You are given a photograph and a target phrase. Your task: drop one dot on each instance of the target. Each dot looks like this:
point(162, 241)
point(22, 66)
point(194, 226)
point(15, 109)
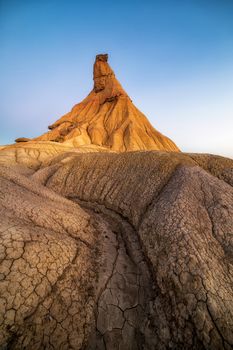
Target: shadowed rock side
point(107, 117)
point(137, 256)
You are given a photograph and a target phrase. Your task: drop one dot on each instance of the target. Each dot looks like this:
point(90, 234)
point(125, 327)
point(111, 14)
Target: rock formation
point(107, 117)
point(22, 139)
point(114, 250)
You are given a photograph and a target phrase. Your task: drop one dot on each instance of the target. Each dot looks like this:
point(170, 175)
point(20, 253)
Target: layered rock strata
point(107, 117)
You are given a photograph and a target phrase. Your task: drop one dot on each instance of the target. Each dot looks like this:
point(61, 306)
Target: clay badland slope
point(117, 251)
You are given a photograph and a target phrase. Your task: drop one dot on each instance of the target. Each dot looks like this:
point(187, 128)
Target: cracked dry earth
point(123, 309)
point(116, 251)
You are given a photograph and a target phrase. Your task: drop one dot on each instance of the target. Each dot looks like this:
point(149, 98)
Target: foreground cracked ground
point(116, 251)
point(123, 317)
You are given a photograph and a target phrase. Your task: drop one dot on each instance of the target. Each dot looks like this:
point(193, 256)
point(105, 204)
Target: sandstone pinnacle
point(108, 118)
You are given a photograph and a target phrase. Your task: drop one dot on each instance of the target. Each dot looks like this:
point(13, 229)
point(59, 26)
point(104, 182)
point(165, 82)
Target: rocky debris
point(107, 118)
point(22, 139)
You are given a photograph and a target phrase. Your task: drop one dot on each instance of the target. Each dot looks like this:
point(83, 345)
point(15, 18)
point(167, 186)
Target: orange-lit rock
point(107, 117)
point(22, 139)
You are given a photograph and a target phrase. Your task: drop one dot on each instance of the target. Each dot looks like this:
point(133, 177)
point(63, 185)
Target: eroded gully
point(124, 315)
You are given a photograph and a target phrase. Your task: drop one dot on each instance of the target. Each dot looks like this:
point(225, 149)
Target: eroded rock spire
point(108, 118)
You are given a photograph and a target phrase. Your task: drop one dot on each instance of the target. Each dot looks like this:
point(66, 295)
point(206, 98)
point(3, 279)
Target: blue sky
point(173, 57)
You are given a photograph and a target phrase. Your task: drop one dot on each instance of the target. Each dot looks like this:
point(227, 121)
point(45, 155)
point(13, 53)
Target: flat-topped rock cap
point(102, 57)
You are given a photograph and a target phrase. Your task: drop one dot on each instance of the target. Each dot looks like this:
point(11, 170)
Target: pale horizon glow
point(173, 58)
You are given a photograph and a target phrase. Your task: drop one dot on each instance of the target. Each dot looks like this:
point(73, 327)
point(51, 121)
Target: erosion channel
point(124, 315)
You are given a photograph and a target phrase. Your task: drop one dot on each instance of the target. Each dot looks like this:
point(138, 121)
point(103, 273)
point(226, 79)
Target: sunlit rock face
point(106, 249)
point(107, 117)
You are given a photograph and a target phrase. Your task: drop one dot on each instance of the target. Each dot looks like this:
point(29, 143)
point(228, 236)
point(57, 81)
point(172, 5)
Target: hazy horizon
point(173, 58)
